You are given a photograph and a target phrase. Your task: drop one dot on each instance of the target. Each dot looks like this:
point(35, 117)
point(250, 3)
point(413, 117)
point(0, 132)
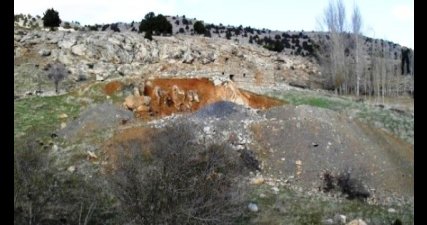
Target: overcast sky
point(392, 20)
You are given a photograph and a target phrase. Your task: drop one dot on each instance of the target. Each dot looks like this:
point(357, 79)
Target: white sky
point(391, 20)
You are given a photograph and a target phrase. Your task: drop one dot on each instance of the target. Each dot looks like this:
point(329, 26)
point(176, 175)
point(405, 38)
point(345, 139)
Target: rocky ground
point(290, 146)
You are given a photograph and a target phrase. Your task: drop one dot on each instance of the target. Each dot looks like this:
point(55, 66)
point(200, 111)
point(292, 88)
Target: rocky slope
point(106, 55)
point(290, 148)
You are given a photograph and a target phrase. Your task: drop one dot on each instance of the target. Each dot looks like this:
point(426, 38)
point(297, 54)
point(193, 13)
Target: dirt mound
point(319, 140)
point(164, 97)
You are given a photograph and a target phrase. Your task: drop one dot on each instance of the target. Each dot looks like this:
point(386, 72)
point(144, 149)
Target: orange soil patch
point(170, 96)
point(261, 102)
point(112, 87)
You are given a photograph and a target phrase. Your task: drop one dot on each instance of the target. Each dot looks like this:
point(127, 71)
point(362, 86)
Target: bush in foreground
point(179, 182)
point(46, 194)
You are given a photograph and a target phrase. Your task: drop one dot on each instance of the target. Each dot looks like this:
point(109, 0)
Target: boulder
point(79, 49)
point(132, 102)
point(253, 207)
point(67, 43)
point(44, 52)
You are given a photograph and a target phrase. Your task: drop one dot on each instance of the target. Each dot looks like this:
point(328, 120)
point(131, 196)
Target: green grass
point(308, 98)
point(41, 114)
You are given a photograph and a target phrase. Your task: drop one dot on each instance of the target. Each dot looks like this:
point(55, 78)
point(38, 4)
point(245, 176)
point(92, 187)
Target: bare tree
point(340, 16)
point(356, 24)
point(333, 56)
point(57, 73)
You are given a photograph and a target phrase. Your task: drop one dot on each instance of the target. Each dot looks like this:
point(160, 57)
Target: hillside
point(304, 154)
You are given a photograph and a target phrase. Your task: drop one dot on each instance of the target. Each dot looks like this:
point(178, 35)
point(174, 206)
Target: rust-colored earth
point(170, 96)
point(113, 87)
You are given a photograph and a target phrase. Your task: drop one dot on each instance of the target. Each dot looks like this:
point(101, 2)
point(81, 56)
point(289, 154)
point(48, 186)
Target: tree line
point(352, 64)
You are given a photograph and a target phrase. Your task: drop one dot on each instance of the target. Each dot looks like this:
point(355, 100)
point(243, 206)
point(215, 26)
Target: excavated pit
point(166, 96)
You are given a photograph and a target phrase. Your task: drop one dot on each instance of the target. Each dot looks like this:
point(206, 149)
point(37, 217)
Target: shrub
point(343, 182)
point(115, 27)
point(180, 182)
point(46, 194)
point(199, 28)
point(67, 25)
point(157, 24)
point(352, 187)
point(149, 35)
point(93, 28)
point(249, 30)
point(51, 18)
point(185, 21)
point(57, 73)
point(228, 34)
point(207, 33)
point(274, 45)
point(181, 30)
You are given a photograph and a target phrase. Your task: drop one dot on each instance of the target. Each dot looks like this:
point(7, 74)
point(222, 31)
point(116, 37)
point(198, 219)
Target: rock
point(357, 222)
point(103, 70)
point(19, 52)
point(136, 92)
point(298, 164)
point(55, 148)
point(341, 219)
point(99, 77)
point(79, 49)
point(91, 155)
point(143, 108)
point(63, 57)
point(257, 180)
point(44, 52)
point(71, 169)
point(275, 190)
point(253, 207)
point(67, 43)
point(328, 221)
point(210, 57)
point(146, 100)
point(63, 116)
point(193, 96)
point(207, 130)
point(133, 102)
point(63, 125)
point(391, 210)
point(188, 58)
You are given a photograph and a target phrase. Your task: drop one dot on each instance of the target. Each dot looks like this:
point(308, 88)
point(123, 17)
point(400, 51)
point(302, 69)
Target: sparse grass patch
point(291, 207)
point(42, 114)
point(308, 98)
point(399, 124)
